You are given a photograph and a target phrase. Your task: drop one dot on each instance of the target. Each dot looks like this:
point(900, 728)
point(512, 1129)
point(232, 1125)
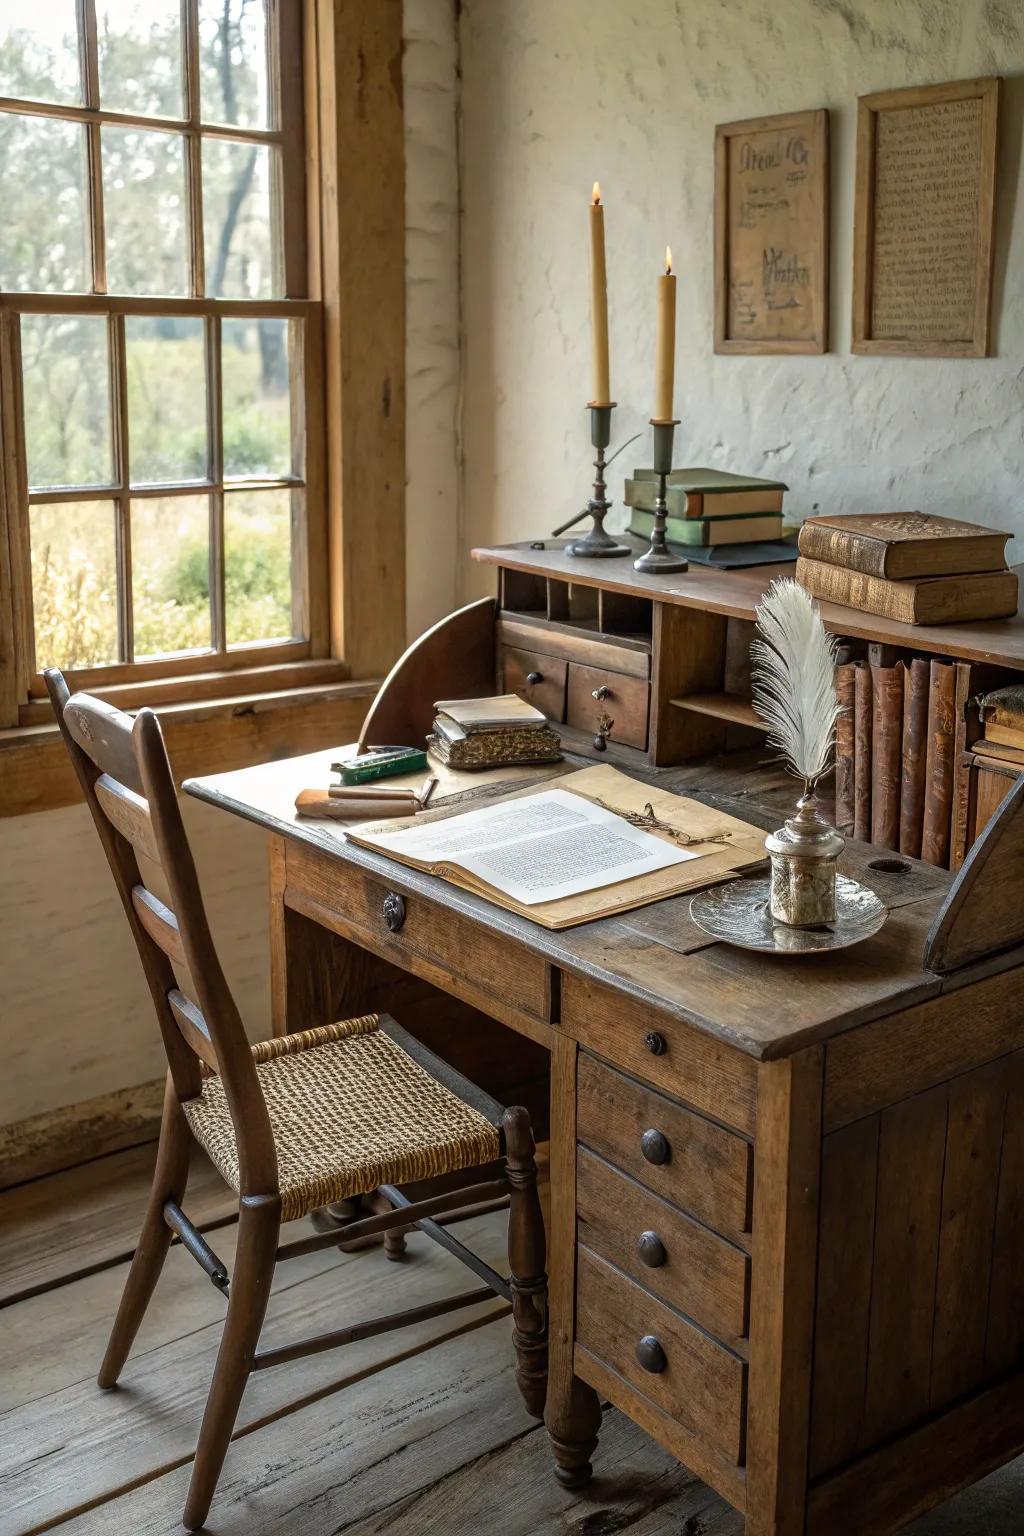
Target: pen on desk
point(426, 792)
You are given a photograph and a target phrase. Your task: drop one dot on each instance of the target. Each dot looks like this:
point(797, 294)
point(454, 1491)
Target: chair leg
point(526, 1257)
point(169, 1179)
point(259, 1224)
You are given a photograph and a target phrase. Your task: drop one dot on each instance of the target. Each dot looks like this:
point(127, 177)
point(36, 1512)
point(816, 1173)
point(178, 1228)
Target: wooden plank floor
point(416, 1433)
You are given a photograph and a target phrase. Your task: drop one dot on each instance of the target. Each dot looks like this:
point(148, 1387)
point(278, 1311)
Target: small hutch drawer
point(537, 678)
point(596, 691)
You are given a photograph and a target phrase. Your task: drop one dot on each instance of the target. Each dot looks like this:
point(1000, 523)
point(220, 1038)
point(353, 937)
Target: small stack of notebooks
point(1002, 715)
point(483, 733)
point(911, 567)
point(710, 509)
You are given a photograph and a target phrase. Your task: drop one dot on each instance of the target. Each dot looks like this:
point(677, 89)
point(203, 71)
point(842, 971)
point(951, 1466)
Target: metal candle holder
point(659, 559)
point(597, 541)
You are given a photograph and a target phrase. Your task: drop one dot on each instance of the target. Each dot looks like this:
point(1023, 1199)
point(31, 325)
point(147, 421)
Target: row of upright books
point(708, 508)
point(912, 567)
point(896, 755)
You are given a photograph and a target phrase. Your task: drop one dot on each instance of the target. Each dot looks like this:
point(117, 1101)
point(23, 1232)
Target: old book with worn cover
point(706, 493)
point(707, 532)
point(929, 600)
point(899, 545)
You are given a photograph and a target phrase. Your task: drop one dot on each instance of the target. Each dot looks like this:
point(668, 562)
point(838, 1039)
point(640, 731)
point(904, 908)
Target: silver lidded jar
point(802, 891)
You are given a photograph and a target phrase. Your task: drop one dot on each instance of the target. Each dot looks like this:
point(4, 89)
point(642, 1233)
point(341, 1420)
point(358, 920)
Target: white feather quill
point(793, 675)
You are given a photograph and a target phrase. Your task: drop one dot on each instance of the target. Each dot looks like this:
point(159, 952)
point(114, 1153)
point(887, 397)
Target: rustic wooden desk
point(787, 1194)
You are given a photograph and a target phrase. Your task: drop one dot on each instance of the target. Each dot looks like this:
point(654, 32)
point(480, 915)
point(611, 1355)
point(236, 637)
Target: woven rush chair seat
point(350, 1111)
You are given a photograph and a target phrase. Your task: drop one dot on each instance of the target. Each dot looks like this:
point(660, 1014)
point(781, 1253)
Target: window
point(156, 338)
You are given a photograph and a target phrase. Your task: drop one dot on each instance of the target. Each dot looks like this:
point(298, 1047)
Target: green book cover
point(700, 531)
point(710, 481)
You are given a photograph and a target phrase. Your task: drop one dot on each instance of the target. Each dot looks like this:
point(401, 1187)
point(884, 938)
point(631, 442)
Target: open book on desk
point(565, 852)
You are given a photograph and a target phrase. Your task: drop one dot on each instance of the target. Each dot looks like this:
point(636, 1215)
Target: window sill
point(203, 735)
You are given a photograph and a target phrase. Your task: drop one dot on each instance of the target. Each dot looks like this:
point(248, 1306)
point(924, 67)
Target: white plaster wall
point(555, 95)
point(432, 310)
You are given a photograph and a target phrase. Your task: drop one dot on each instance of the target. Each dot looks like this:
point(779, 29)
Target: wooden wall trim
point(360, 176)
point(76, 1133)
point(36, 772)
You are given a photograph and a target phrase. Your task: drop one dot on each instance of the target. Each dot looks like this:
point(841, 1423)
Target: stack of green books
point(708, 507)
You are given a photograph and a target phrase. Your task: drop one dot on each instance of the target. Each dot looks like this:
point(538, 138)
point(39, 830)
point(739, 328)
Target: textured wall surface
point(432, 310)
point(556, 95)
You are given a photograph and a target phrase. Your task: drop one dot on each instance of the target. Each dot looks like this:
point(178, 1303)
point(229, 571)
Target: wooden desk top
point(736, 594)
point(765, 1006)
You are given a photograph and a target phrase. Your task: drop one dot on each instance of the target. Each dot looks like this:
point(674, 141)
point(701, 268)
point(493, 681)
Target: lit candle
point(665, 369)
point(599, 301)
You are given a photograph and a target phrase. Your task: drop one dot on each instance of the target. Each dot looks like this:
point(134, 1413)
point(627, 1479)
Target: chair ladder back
point(118, 811)
point(213, 1012)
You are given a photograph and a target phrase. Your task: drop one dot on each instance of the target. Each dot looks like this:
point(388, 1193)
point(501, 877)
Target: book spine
point(887, 740)
point(938, 772)
point(843, 547)
point(889, 599)
point(862, 752)
point(915, 740)
point(844, 749)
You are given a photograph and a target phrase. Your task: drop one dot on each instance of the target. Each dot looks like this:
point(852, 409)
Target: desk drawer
point(688, 1375)
point(547, 692)
point(627, 702)
point(668, 1253)
point(669, 1054)
point(704, 1169)
point(430, 939)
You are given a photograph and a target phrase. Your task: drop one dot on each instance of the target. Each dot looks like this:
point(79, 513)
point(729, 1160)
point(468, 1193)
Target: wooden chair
point(293, 1123)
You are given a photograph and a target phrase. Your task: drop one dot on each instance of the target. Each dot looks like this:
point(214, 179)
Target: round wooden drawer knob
point(655, 1043)
point(534, 678)
point(650, 1250)
point(394, 910)
point(654, 1147)
point(650, 1355)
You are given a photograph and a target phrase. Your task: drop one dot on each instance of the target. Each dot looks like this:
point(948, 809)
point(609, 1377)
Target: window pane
point(171, 574)
point(140, 57)
point(166, 358)
point(67, 399)
point(43, 226)
point(257, 405)
point(236, 220)
point(39, 50)
point(233, 62)
point(74, 583)
point(257, 565)
point(144, 203)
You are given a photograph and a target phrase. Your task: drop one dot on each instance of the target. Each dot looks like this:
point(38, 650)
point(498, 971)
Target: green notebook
point(707, 532)
point(706, 493)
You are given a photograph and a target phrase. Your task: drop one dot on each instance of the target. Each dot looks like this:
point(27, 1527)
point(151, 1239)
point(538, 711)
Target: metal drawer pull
point(604, 692)
point(534, 678)
point(654, 1147)
point(650, 1354)
point(651, 1250)
point(655, 1043)
point(394, 910)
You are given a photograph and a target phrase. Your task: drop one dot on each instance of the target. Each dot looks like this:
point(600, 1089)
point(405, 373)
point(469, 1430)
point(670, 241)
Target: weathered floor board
point(89, 1217)
point(418, 1433)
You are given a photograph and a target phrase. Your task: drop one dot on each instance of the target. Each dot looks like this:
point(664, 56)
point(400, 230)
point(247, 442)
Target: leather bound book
point(899, 545)
point(930, 600)
point(938, 772)
point(886, 750)
point(844, 749)
point(862, 710)
point(915, 744)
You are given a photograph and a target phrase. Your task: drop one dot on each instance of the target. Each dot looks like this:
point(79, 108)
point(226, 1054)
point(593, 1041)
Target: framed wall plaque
point(923, 220)
point(771, 234)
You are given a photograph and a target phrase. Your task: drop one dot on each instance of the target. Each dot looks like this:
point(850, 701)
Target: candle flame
point(668, 261)
point(596, 196)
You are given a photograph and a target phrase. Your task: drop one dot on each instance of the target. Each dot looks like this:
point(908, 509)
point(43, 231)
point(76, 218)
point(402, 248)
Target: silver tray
point(738, 913)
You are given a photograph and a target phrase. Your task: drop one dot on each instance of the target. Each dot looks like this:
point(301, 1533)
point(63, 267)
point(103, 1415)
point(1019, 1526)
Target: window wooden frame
point(21, 687)
point(346, 64)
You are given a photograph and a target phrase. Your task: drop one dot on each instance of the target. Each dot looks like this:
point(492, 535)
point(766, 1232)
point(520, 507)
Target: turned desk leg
point(787, 1163)
point(573, 1413)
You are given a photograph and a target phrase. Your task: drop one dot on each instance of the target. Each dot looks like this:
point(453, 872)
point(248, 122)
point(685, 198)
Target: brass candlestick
point(597, 541)
point(659, 559)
